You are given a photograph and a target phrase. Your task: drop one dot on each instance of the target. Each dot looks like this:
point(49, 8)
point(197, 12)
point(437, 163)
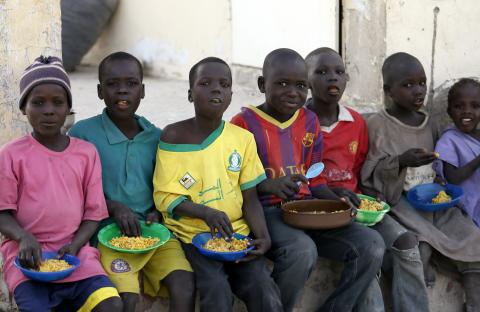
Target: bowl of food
point(51, 267)
point(220, 249)
point(370, 211)
point(434, 197)
point(316, 214)
point(153, 236)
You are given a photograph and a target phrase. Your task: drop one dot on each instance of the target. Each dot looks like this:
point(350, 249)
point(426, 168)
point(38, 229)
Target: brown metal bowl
point(316, 214)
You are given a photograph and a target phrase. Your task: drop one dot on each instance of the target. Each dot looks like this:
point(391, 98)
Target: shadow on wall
point(82, 23)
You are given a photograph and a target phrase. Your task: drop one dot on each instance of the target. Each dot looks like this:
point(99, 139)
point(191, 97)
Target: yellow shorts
point(123, 268)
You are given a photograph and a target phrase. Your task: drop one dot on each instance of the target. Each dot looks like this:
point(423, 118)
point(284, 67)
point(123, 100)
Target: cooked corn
point(370, 205)
point(54, 265)
point(138, 242)
point(222, 245)
point(442, 197)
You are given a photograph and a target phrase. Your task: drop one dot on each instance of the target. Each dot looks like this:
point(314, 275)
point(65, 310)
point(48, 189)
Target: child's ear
point(143, 90)
point(99, 92)
point(190, 98)
point(347, 76)
point(261, 84)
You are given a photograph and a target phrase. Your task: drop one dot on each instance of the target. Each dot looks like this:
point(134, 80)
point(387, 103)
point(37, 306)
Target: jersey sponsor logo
point(307, 140)
point(187, 180)
point(353, 147)
point(283, 171)
point(234, 162)
point(120, 266)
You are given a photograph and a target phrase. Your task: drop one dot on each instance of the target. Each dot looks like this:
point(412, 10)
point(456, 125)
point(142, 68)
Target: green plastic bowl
point(370, 218)
point(153, 230)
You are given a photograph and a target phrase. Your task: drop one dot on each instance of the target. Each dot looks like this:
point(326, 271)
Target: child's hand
point(262, 245)
point(29, 251)
point(153, 217)
point(284, 187)
point(218, 221)
point(416, 157)
point(346, 200)
point(342, 192)
point(71, 249)
point(126, 220)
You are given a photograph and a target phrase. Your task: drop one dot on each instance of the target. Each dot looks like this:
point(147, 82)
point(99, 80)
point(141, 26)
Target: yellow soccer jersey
point(213, 173)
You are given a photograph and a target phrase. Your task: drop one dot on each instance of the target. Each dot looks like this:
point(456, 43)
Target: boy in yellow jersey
point(205, 180)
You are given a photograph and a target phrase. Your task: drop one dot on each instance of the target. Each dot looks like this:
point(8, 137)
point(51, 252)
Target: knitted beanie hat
point(44, 70)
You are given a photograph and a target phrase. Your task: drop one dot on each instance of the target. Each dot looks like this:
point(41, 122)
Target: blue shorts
point(84, 295)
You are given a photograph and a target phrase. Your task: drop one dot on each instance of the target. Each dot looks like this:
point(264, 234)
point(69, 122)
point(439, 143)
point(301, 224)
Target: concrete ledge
point(446, 296)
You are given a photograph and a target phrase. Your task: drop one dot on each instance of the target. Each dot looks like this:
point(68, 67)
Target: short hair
point(119, 56)
point(394, 63)
point(455, 89)
point(281, 53)
point(210, 59)
point(318, 52)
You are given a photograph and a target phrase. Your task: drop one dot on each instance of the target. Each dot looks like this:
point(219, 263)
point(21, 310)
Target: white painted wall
point(169, 36)
point(410, 28)
point(259, 27)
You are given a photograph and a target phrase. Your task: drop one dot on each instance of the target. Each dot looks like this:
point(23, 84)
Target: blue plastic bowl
point(50, 276)
point(202, 238)
point(421, 196)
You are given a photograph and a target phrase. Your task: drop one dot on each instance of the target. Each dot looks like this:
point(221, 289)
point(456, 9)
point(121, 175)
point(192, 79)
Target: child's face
point(285, 88)
point(327, 77)
point(211, 90)
point(464, 109)
point(46, 108)
point(408, 87)
point(121, 88)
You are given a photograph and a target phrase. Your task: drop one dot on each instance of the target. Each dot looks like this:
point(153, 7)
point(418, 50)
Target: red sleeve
point(362, 146)
point(317, 156)
point(239, 121)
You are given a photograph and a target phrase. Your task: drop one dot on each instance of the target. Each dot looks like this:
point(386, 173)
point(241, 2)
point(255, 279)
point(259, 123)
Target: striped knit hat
point(44, 70)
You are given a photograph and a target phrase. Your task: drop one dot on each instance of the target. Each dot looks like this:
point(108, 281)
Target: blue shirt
point(127, 165)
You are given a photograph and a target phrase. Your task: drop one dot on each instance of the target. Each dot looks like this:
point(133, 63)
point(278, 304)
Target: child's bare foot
point(428, 270)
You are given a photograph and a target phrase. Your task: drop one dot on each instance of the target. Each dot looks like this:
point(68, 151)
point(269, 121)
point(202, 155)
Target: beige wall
point(169, 36)
point(28, 28)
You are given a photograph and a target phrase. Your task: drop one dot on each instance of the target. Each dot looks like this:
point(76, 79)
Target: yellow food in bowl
point(54, 265)
point(138, 242)
point(222, 245)
point(442, 197)
point(370, 205)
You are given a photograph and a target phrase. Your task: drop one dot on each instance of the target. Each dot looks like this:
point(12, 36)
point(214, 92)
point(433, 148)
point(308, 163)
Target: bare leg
point(130, 301)
point(181, 287)
point(109, 305)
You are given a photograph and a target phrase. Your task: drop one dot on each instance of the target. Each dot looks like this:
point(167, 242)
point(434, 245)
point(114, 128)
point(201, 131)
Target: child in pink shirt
point(51, 199)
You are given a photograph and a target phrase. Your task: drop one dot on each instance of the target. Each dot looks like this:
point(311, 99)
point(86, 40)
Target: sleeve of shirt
point(447, 148)
point(239, 121)
point(95, 208)
point(362, 147)
point(167, 193)
point(252, 172)
point(317, 156)
point(8, 182)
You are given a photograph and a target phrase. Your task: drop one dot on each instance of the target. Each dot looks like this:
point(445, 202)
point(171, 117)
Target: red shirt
point(345, 149)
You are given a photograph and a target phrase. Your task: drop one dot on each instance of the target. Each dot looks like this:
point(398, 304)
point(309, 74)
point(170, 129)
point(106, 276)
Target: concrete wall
point(28, 28)
point(440, 33)
point(169, 36)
